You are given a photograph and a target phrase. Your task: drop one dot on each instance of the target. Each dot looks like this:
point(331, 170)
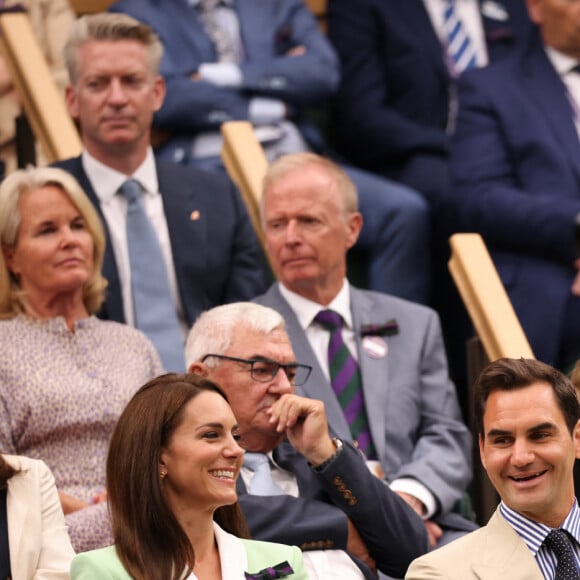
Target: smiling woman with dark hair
point(171, 476)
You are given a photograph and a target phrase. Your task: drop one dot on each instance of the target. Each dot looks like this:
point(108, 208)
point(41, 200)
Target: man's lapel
point(374, 371)
point(503, 554)
point(317, 386)
point(543, 85)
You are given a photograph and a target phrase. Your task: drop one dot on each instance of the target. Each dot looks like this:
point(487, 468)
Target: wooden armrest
point(246, 164)
point(319, 9)
point(485, 299)
point(41, 99)
point(90, 6)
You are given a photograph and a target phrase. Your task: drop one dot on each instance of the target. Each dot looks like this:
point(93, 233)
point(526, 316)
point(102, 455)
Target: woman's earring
point(163, 474)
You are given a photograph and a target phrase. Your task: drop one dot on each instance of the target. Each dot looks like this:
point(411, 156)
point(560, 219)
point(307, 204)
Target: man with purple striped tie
point(378, 361)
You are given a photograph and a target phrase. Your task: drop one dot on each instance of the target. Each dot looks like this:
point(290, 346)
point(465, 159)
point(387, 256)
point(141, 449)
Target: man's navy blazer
point(317, 519)
point(515, 158)
point(393, 102)
point(217, 257)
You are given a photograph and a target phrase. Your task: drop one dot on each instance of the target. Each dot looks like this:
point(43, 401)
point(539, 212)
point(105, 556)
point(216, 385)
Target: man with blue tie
point(378, 361)
point(179, 239)
point(515, 159)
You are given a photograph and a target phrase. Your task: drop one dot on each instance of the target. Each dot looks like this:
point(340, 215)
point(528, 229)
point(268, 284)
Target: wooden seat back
point(42, 101)
point(485, 299)
point(246, 164)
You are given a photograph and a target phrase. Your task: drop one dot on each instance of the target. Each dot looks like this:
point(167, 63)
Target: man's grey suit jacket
point(411, 403)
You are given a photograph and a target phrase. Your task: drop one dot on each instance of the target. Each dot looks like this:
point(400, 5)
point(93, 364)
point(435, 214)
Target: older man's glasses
point(264, 370)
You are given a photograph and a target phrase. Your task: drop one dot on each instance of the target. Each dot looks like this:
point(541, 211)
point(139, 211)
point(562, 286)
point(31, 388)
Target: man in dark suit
point(310, 219)
point(278, 67)
point(393, 104)
point(209, 247)
point(516, 163)
point(327, 499)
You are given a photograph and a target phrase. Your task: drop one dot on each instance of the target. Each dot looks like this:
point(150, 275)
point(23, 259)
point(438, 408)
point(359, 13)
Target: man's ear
point(354, 225)
point(71, 100)
point(198, 368)
point(481, 454)
point(576, 437)
point(159, 92)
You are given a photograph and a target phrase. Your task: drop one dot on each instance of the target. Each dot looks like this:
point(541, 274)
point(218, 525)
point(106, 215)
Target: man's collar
point(534, 533)
point(563, 63)
point(306, 309)
point(107, 181)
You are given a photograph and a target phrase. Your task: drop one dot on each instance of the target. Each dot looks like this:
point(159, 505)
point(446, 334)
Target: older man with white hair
point(321, 497)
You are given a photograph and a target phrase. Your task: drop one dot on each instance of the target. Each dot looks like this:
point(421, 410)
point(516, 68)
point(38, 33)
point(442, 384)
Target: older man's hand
point(306, 427)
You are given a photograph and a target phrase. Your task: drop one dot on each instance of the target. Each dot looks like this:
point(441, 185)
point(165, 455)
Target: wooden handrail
point(90, 6)
point(246, 164)
point(485, 299)
point(41, 99)
point(319, 9)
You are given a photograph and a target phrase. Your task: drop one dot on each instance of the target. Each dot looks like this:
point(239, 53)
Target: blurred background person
point(277, 66)
point(516, 172)
point(65, 376)
point(171, 473)
point(34, 543)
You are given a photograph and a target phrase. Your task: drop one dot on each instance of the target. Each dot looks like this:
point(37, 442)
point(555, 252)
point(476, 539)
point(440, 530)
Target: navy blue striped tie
point(460, 50)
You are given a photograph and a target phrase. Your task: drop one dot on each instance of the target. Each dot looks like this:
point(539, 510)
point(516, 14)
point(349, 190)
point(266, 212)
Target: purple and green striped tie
point(346, 382)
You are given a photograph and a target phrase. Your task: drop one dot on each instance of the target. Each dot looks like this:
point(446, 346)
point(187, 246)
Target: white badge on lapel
point(375, 346)
point(494, 11)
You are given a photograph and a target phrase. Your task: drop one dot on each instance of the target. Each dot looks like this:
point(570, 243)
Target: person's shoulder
point(24, 464)
point(504, 70)
point(71, 164)
point(269, 297)
point(449, 557)
point(186, 176)
point(103, 562)
point(267, 554)
point(388, 302)
point(7, 324)
point(112, 326)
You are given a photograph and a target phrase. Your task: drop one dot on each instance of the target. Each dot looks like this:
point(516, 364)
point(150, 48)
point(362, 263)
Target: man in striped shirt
point(527, 414)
